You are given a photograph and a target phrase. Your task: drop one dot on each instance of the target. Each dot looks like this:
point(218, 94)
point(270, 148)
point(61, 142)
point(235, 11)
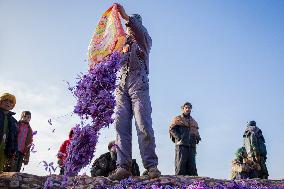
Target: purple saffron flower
point(95, 100)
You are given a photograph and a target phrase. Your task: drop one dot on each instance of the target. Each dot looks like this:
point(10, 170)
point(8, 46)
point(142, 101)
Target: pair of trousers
point(185, 160)
point(133, 100)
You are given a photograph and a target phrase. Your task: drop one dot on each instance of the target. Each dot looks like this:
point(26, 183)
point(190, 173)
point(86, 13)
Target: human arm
point(28, 144)
point(63, 150)
point(122, 12)
point(174, 132)
point(137, 30)
point(194, 129)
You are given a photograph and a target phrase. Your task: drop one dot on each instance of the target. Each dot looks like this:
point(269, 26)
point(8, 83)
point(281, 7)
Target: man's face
point(113, 149)
point(6, 105)
point(186, 110)
point(26, 118)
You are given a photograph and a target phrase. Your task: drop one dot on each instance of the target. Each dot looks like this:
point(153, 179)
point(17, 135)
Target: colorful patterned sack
point(108, 37)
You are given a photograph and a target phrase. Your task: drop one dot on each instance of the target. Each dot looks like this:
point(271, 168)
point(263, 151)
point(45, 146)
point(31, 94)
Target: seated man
point(106, 163)
point(242, 167)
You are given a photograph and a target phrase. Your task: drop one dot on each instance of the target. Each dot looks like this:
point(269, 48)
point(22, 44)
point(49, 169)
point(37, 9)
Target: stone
point(23, 180)
point(14, 184)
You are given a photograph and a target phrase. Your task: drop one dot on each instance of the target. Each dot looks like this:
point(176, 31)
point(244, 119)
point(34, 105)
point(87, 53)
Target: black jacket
point(11, 143)
point(181, 135)
point(105, 165)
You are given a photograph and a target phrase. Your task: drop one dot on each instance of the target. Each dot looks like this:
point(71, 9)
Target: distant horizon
point(225, 57)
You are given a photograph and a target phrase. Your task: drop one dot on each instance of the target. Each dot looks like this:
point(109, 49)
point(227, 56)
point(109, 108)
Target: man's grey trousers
point(132, 99)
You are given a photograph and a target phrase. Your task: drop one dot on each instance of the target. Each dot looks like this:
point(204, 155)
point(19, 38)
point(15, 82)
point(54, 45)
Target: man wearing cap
point(184, 133)
point(8, 130)
point(254, 143)
point(133, 99)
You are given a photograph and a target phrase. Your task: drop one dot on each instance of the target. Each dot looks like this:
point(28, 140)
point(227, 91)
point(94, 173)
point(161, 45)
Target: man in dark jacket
point(8, 129)
point(184, 133)
point(254, 143)
point(106, 163)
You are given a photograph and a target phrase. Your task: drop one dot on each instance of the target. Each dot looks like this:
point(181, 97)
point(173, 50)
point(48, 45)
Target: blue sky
point(225, 57)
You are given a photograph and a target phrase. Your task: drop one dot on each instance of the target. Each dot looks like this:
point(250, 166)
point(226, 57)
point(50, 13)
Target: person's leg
point(2, 157)
point(61, 172)
point(181, 160)
point(10, 165)
point(264, 171)
point(19, 161)
point(192, 162)
point(123, 126)
point(142, 112)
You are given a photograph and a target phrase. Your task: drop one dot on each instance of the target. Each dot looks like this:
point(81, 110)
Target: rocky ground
point(23, 180)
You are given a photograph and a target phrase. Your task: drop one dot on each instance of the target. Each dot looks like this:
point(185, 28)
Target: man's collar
point(185, 116)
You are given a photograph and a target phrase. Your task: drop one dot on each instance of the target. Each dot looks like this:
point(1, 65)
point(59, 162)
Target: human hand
point(60, 163)
point(125, 48)
point(198, 140)
point(25, 161)
point(245, 168)
point(179, 142)
point(122, 12)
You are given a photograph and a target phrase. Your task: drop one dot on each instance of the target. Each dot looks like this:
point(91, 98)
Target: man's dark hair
point(187, 104)
point(252, 123)
point(110, 145)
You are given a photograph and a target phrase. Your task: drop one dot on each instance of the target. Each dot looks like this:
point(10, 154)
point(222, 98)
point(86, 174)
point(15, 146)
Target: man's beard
point(186, 115)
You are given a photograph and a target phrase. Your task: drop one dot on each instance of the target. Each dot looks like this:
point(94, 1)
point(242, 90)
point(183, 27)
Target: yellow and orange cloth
point(108, 37)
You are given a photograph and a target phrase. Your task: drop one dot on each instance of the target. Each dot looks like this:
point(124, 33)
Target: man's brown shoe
point(152, 172)
point(119, 174)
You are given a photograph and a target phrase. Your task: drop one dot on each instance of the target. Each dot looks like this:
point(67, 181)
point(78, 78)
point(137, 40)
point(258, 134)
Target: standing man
point(184, 133)
point(255, 146)
point(132, 99)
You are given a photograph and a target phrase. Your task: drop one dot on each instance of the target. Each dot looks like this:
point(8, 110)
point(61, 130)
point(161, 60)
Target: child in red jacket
point(63, 152)
point(25, 139)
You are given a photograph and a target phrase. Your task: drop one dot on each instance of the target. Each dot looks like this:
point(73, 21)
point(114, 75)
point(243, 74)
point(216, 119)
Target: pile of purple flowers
point(95, 100)
point(190, 183)
point(198, 184)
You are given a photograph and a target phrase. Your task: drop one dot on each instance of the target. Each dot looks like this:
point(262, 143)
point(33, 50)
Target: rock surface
point(23, 180)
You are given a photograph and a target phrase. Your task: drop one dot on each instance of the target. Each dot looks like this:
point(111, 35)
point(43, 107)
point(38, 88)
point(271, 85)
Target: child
point(63, 152)
point(8, 130)
point(25, 139)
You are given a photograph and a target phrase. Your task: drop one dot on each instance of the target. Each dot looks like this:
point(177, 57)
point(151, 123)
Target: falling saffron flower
point(49, 121)
point(32, 149)
point(95, 100)
point(49, 167)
